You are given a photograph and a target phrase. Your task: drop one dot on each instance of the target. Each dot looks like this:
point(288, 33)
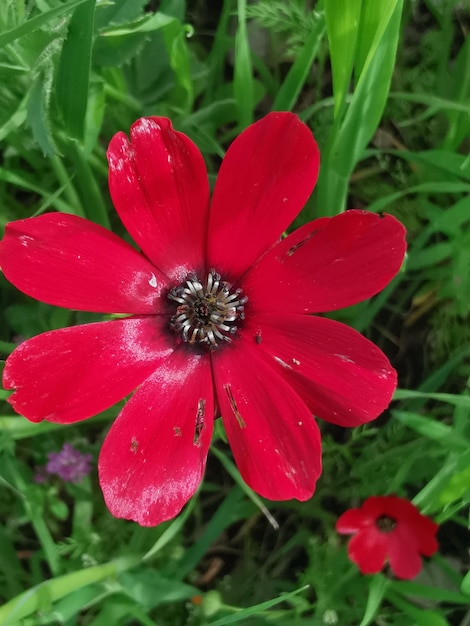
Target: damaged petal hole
point(134, 445)
point(298, 245)
point(233, 405)
point(200, 422)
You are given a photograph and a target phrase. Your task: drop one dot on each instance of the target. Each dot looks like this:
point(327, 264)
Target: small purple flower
point(70, 464)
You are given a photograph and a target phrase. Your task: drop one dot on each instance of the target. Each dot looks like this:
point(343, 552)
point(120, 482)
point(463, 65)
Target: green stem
point(66, 182)
point(95, 208)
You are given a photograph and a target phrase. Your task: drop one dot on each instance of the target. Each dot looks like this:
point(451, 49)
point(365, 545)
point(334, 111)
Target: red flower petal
point(404, 558)
point(351, 522)
point(154, 456)
point(265, 179)
point(328, 264)
point(341, 376)
point(273, 436)
point(368, 549)
point(158, 183)
point(425, 532)
point(70, 262)
point(390, 506)
point(70, 374)
point(421, 528)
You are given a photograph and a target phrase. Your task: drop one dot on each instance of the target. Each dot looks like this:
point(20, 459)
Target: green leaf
point(448, 162)
point(352, 131)
point(45, 594)
point(374, 18)
point(465, 588)
point(430, 257)
point(149, 589)
point(377, 587)
point(36, 22)
point(431, 187)
point(363, 114)
point(450, 398)
point(243, 89)
point(254, 497)
point(230, 510)
point(457, 489)
point(173, 529)
point(38, 112)
point(295, 80)
point(342, 26)
point(118, 12)
point(73, 74)
point(420, 617)
point(431, 429)
point(147, 24)
point(437, 594)
point(176, 44)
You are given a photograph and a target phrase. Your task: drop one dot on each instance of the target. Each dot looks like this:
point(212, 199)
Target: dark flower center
point(207, 311)
point(386, 524)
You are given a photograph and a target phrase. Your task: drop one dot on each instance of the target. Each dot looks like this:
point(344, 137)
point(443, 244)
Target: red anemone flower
point(388, 528)
point(219, 316)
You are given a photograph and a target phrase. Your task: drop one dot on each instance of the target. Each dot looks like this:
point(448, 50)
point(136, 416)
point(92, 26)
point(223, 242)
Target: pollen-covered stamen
point(207, 312)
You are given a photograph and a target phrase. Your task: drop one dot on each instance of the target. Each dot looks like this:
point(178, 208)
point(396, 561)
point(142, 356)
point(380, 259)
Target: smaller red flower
point(388, 528)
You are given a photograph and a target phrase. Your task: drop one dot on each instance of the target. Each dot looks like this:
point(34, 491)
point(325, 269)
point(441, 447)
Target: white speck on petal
point(344, 358)
point(25, 239)
point(153, 281)
point(117, 163)
point(283, 363)
point(147, 126)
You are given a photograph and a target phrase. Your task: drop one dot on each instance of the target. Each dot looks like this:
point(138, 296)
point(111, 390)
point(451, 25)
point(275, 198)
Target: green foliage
point(385, 88)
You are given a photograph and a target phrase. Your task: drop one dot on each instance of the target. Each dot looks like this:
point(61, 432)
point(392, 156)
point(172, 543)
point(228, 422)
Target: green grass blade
point(173, 529)
point(229, 511)
point(430, 429)
point(450, 398)
point(243, 88)
point(367, 105)
point(351, 135)
point(257, 608)
point(377, 587)
point(38, 112)
point(73, 74)
point(342, 26)
point(254, 497)
point(374, 18)
point(298, 73)
point(431, 187)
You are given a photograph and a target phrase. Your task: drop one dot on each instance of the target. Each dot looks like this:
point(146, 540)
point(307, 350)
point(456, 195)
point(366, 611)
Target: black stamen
point(206, 312)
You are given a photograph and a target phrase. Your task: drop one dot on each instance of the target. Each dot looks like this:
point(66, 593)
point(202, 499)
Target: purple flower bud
point(70, 464)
